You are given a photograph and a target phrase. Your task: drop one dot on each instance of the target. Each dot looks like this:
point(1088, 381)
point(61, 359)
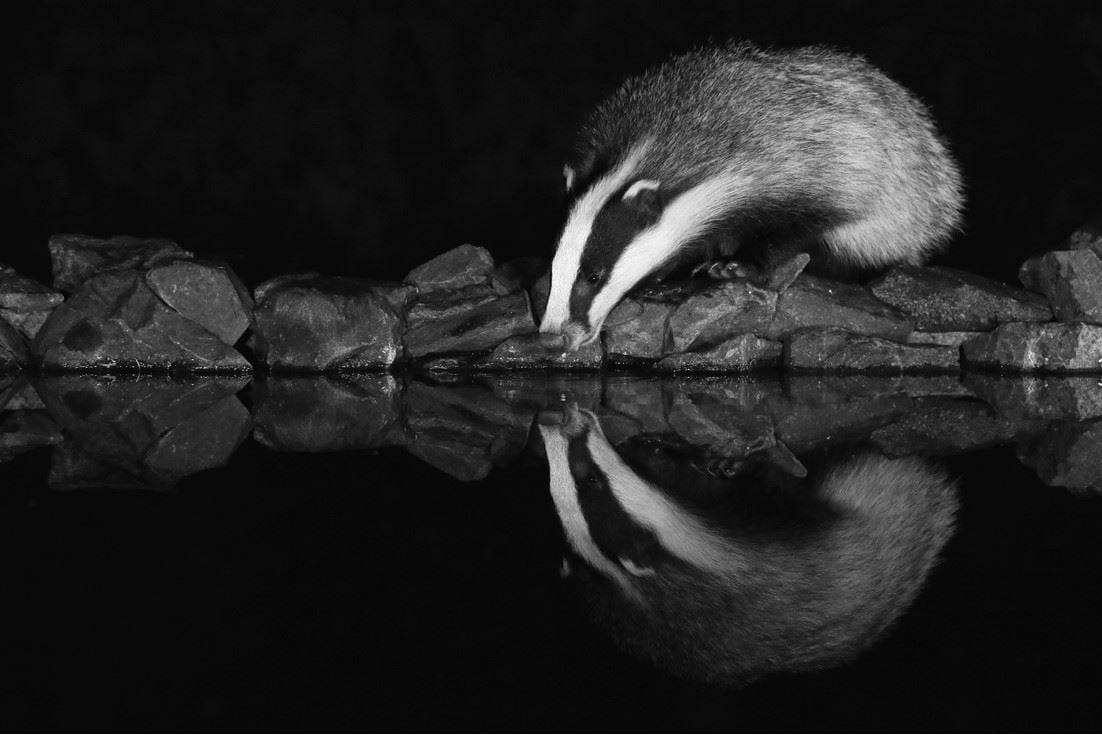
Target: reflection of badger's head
point(713, 596)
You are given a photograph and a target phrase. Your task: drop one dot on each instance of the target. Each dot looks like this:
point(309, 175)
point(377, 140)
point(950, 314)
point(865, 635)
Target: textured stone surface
point(815, 412)
point(24, 302)
point(478, 324)
point(115, 321)
point(1020, 346)
point(315, 323)
point(948, 300)
point(458, 268)
point(209, 294)
point(1071, 280)
point(524, 352)
point(815, 302)
point(142, 432)
point(22, 431)
point(943, 426)
point(718, 312)
point(1089, 236)
point(327, 413)
point(945, 339)
point(709, 419)
point(638, 328)
point(836, 350)
point(13, 348)
point(1068, 454)
point(1063, 397)
point(738, 354)
point(76, 258)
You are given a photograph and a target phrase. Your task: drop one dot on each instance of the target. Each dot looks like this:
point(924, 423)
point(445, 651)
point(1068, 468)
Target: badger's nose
point(552, 341)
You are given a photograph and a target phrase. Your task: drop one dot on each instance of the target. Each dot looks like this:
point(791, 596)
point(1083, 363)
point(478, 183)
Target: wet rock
point(22, 431)
point(115, 321)
point(316, 323)
point(1021, 347)
point(76, 258)
point(643, 399)
point(464, 430)
point(718, 312)
point(327, 413)
point(524, 352)
point(455, 270)
point(818, 389)
point(1068, 454)
point(948, 300)
point(736, 355)
point(209, 294)
point(1068, 398)
point(536, 392)
point(709, 419)
point(142, 432)
point(942, 426)
point(13, 348)
point(836, 350)
point(816, 302)
point(817, 412)
point(24, 302)
point(1071, 280)
point(945, 339)
point(638, 328)
point(466, 326)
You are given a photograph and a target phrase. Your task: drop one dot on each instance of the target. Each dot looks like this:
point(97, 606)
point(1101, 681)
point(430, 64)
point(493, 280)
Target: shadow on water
point(740, 533)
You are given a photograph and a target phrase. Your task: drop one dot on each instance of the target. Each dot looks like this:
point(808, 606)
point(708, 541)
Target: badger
point(759, 153)
point(758, 580)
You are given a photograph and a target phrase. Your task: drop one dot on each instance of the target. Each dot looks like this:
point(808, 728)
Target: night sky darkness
point(364, 138)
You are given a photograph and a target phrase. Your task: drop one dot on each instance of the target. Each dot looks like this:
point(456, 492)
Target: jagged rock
point(209, 294)
point(942, 426)
point(22, 431)
point(464, 430)
point(945, 339)
point(24, 302)
point(524, 352)
point(816, 302)
point(470, 325)
point(1020, 346)
point(837, 350)
point(115, 321)
point(458, 268)
point(144, 433)
point(738, 354)
point(638, 328)
point(1068, 454)
point(1071, 280)
point(718, 312)
point(1089, 236)
point(948, 300)
point(315, 323)
point(1068, 398)
point(785, 274)
point(76, 258)
point(13, 348)
point(327, 414)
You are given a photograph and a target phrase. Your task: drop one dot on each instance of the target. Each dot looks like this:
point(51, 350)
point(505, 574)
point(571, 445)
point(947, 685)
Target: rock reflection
point(729, 581)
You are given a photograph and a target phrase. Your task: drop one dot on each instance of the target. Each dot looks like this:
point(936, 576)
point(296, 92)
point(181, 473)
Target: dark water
point(551, 553)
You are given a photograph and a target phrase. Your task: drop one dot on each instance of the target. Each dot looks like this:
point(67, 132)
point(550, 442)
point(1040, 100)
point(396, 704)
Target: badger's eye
point(594, 278)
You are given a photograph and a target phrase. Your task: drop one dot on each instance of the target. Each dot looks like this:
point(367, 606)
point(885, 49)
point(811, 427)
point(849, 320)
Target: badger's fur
point(739, 148)
point(760, 579)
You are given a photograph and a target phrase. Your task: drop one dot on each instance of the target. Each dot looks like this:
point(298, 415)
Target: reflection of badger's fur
point(740, 148)
point(807, 584)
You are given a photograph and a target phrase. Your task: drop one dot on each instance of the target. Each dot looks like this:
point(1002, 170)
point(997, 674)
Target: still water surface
point(526, 552)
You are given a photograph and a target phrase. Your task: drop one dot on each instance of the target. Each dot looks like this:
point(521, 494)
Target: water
point(531, 552)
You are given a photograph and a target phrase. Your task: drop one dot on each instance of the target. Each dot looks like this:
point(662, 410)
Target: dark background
point(364, 138)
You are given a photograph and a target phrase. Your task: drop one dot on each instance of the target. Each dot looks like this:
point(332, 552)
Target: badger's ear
point(645, 195)
point(568, 177)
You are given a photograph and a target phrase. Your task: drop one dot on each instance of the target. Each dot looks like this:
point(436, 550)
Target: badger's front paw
point(727, 270)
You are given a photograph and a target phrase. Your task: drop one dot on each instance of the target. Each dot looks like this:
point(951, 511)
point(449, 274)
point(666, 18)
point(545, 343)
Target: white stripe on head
point(685, 218)
point(568, 256)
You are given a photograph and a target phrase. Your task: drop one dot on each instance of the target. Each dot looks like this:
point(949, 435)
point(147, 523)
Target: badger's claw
point(724, 270)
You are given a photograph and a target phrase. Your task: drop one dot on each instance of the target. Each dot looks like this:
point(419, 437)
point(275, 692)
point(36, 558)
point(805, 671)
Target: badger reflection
point(770, 575)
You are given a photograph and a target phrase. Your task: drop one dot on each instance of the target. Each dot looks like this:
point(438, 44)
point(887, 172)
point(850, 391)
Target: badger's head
point(598, 259)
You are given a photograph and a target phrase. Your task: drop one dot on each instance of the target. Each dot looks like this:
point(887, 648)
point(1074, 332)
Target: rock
point(24, 302)
point(76, 258)
point(1071, 280)
point(458, 268)
point(144, 433)
point(326, 413)
point(644, 400)
point(1066, 398)
point(638, 328)
point(736, 355)
point(477, 324)
point(208, 294)
point(115, 321)
point(23, 431)
point(1087, 237)
point(524, 352)
point(13, 348)
point(816, 302)
point(945, 339)
point(809, 416)
point(1068, 454)
point(17, 393)
point(948, 300)
point(538, 292)
point(718, 312)
point(519, 274)
point(836, 350)
point(710, 420)
point(942, 426)
point(534, 392)
point(315, 323)
point(785, 274)
point(1020, 346)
